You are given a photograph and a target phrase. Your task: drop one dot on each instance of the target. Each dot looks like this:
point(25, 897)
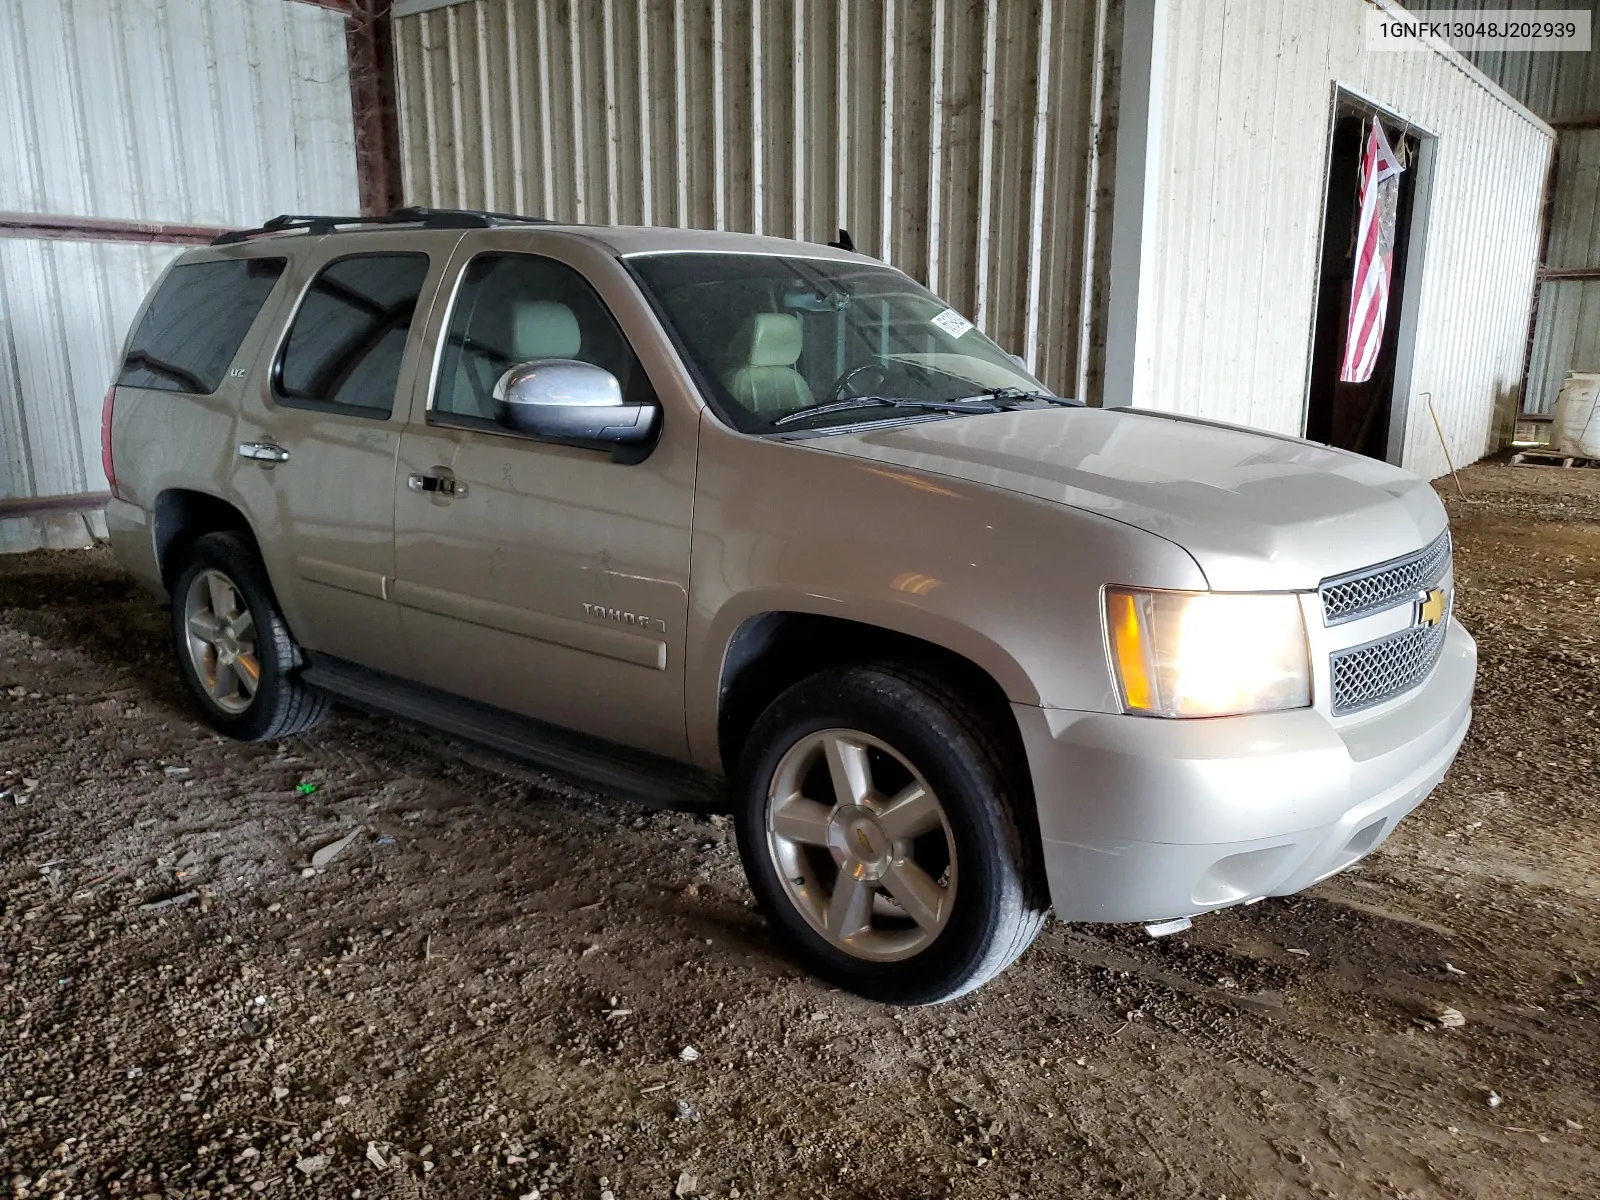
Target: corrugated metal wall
point(919, 125)
point(1250, 86)
point(1561, 87)
point(188, 111)
point(1566, 335)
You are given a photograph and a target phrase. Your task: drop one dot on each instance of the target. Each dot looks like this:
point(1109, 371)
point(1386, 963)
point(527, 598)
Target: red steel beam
point(51, 227)
point(370, 53)
point(30, 506)
point(372, 105)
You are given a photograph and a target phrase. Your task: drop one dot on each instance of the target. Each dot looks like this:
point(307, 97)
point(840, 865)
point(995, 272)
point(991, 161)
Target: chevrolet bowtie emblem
point(1431, 606)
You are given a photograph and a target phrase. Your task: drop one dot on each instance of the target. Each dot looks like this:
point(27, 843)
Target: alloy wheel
point(222, 641)
point(861, 845)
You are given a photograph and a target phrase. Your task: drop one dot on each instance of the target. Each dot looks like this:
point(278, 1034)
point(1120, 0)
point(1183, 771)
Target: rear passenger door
point(319, 430)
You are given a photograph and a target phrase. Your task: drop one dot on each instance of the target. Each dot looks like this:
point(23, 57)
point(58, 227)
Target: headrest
point(768, 340)
point(543, 329)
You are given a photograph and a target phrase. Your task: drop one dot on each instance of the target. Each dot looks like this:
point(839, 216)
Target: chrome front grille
point(1383, 669)
point(1386, 585)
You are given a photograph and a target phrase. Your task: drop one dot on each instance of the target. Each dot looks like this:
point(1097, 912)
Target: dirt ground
point(492, 990)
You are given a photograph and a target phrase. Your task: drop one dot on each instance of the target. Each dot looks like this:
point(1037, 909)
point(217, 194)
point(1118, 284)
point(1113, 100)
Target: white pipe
point(841, 89)
point(1091, 203)
point(480, 20)
point(547, 167)
point(1041, 131)
point(646, 183)
point(798, 71)
point(680, 124)
point(985, 167)
point(457, 121)
point(580, 131)
point(935, 145)
point(519, 198)
point(608, 69)
point(718, 164)
point(886, 156)
point(402, 93)
point(758, 189)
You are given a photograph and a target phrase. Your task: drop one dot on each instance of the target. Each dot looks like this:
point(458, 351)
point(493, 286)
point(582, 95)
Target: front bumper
point(1143, 818)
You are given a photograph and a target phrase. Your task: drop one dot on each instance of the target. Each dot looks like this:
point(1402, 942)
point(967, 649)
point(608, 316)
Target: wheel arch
point(181, 516)
point(771, 651)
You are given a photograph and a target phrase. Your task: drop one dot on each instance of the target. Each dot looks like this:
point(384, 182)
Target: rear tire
point(919, 886)
point(233, 646)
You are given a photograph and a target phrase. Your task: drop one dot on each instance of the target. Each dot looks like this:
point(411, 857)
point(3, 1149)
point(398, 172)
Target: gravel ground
point(505, 986)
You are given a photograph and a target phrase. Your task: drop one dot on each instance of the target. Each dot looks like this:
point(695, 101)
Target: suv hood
point(1256, 510)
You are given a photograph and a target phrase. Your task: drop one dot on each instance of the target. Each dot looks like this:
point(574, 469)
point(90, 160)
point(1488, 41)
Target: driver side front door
point(547, 579)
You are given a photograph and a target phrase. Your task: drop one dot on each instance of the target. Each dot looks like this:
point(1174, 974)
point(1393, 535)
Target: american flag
point(1369, 292)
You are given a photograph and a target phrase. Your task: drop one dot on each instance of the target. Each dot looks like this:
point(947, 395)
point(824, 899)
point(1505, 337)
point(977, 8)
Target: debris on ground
point(177, 901)
point(484, 1027)
point(333, 849)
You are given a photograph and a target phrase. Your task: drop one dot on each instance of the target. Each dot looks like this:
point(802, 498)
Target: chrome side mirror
point(564, 398)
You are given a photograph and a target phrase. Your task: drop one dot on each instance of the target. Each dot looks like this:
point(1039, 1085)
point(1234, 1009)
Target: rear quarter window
point(195, 324)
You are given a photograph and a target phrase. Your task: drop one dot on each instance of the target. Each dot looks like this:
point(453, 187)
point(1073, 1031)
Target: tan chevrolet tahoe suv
point(707, 518)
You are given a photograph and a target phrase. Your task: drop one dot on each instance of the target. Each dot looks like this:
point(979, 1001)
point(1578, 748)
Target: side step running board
point(629, 774)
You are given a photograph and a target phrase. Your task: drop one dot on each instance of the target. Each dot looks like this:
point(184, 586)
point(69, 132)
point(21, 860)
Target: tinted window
point(348, 337)
point(513, 308)
point(195, 323)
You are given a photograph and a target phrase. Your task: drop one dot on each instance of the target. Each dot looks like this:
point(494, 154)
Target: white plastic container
point(1577, 424)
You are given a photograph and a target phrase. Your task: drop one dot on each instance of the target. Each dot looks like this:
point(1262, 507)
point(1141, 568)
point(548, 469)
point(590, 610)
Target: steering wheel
point(842, 384)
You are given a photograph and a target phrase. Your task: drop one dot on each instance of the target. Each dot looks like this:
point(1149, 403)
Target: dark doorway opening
point(1358, 416)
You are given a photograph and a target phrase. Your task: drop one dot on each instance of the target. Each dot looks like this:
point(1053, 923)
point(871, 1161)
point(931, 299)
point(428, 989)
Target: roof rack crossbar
point(428, 218)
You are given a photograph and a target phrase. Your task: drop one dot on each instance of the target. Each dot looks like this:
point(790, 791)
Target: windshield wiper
point(978, 404)
point(1006, 397)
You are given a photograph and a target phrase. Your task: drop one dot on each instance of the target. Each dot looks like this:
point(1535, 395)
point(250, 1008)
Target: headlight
point(1207, 654)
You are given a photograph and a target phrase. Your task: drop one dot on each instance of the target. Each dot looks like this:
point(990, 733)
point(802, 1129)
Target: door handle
point(437, 484)
point(265, 452)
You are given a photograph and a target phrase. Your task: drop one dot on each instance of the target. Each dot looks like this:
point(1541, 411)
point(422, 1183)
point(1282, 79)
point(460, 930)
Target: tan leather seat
point(761, 374)
point(544, 329)
point(539, 329)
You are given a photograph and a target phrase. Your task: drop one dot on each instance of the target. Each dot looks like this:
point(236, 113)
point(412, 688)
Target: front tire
point(233, 646)
point(876, 816)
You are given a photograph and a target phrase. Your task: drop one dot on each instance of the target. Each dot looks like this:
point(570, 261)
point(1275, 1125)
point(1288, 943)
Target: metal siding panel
point(1566, 338)
point(64, 309)
point(1575, 219)
point(1248, 104)
point(1558, 86)
point(742, 114)
point(189, 111)
point(183, 111)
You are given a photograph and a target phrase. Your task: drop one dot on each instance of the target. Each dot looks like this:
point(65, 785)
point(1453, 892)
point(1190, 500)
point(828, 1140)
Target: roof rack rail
point(428, 218)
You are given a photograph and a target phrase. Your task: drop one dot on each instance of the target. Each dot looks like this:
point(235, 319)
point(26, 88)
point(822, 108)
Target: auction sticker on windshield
point(952, 322)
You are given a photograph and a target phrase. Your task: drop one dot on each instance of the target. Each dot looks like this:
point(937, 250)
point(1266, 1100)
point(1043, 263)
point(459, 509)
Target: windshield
point(775, 338)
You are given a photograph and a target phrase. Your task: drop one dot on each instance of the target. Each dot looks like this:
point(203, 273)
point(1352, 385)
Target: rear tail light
point(105, 437)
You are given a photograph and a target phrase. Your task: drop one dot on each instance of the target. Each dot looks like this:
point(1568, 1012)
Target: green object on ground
point(305, 789)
